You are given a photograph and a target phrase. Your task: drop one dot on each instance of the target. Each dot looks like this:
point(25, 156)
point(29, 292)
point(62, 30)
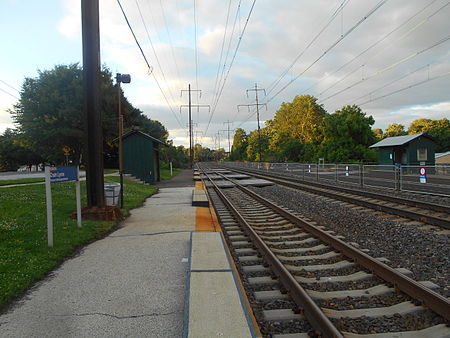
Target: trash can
point(112, 193)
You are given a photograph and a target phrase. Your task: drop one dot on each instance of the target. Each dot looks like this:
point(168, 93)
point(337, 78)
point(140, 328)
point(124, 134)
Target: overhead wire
point(275, 83)
point(405, 88)
point(387, 68)
point(150, 69)
point(4, 91)
point(231, 65)
point(8, 85)
point(377, 43)
point(342, 37)
point(154, 50)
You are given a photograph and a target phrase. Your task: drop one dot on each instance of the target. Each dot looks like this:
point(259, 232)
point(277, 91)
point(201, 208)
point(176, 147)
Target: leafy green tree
point(302, 119)
point(49, 114)
point(13, 153)
point(394, 129)
point(254, 145)
point(439, 130)
point(239, 147)
point(378, 133)
point(348, 135)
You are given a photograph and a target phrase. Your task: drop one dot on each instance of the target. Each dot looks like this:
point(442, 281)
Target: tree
point(378, 133)
point(439, 130)
point(348, 135)
point(13, 153)
point(50, 108)
point(239, 147)
point(254, 144)
point(394, 129)
point(302, 119)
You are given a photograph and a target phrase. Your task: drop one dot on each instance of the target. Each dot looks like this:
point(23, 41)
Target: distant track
point(426, 212)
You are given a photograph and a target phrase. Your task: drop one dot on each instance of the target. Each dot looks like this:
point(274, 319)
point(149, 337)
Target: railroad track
point(304, 279)
point(429, 213)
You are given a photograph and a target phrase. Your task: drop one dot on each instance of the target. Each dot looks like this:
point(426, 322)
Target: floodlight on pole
point(121, 78)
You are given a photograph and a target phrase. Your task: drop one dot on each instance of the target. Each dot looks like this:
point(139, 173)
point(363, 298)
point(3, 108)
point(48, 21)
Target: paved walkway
point(129, 284)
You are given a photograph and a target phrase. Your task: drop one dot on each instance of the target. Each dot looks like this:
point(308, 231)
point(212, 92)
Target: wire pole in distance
point(257, 104)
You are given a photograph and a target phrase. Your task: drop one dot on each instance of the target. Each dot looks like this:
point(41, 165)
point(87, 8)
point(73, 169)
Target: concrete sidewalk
point(129, 284)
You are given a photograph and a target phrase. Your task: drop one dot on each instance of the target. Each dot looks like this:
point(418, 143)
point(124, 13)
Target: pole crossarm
point(196, 106)
point(252, 105)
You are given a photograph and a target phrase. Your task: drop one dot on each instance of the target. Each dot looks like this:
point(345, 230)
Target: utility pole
point(190, 105)
point(257, 104)
point(229, 143)
point(91, 106)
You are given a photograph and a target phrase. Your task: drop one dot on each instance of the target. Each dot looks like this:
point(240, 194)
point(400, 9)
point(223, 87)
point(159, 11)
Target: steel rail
point(312, 312)
point(428, 297)
point(430, 219)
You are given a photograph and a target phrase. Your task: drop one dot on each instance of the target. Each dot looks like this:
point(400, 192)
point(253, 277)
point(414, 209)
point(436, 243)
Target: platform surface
point(139, 280)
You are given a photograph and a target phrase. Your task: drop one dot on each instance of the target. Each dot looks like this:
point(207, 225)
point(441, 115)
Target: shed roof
point(438, 155)
point(134, 132)
point(398, 140)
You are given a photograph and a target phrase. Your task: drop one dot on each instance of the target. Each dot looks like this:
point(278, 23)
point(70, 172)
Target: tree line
point(302, 131)
point(49, 118)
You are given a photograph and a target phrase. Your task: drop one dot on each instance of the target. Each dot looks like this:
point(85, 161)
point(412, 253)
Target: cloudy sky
point(392, 57)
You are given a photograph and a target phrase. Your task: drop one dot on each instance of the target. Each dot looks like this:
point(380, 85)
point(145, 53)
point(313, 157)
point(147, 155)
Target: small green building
point(141, 156)
point(415, 149)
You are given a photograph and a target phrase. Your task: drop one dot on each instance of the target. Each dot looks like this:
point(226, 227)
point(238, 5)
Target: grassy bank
point(24, 255)
point(165, 171)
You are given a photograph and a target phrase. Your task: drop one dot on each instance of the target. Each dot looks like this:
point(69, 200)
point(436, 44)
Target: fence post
point(303, 170)
point(317, 172)
point(336, 172)
point(361, 175)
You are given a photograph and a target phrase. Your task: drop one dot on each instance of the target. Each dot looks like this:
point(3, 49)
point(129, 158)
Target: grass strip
point(24, 254)
point(22, 181)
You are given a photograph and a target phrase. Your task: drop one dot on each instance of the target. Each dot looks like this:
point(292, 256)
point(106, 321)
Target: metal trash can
point(112, 193)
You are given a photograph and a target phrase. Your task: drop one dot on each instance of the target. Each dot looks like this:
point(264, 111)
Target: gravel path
point(422, 251)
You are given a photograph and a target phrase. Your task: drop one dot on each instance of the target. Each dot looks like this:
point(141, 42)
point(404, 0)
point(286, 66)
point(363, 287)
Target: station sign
point(63, 174)
point(423, 175)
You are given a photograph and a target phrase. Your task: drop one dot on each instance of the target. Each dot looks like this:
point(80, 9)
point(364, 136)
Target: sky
point(391, 57)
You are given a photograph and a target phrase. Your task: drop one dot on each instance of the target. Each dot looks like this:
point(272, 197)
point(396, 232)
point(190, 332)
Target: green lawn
point(22, 181)
point(165, 171)
point(24, 255)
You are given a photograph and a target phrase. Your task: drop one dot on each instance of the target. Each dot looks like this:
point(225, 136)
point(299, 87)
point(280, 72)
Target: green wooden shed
point(141, 156)
point(415, 149)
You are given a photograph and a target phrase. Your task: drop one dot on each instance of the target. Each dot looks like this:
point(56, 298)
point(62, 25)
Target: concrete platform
point(216, 307)
point(199, 198)
point(156, 276)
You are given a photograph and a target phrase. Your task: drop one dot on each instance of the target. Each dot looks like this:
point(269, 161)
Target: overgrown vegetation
point(24, 255)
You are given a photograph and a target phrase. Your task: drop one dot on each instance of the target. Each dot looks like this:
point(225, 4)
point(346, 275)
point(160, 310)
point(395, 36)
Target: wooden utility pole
point(91, 108)
point(190, 105)
point(257, 104)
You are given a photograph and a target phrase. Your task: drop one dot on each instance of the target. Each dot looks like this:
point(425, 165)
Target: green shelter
point(141, 156)
point(415, 149)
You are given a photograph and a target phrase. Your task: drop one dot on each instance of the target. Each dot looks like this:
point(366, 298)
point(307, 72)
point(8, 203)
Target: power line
point(6, 84)
point(376, 43)
point(231, 64)
point(223, 44)
point(405, 88)
point(170, 39)
point(275, 83)
point(389, 67)
point(343, 36)
point(153, 48)
point(150, 69)
point(9, 93)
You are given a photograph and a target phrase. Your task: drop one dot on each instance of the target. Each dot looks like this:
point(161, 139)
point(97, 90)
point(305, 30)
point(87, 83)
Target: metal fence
point(424, 179)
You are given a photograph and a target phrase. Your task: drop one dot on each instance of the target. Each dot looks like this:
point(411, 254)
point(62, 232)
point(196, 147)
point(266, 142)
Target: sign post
point(423, 175)
point(56, 175)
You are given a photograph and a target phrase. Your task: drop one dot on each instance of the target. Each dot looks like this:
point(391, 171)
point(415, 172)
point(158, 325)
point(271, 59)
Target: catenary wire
point(275, 83)
point(148, 65)
point(343, 36)
point(377, 43)
point(389, 67)
point(231, 64)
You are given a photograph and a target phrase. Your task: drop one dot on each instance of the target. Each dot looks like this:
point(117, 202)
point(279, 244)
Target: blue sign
point(63, 174)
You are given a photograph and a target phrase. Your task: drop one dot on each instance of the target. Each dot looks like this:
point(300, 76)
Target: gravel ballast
point(422, 251)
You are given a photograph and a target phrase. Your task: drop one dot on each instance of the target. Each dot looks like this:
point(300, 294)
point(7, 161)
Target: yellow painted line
point(205, 218)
